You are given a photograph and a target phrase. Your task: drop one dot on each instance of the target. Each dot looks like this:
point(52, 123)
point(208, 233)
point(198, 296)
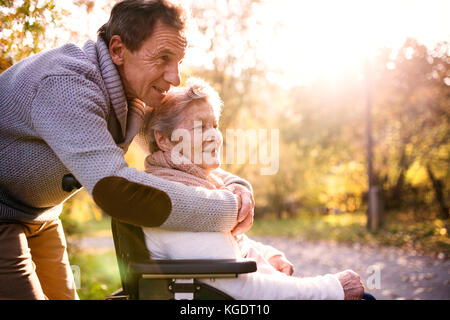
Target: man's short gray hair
point(134, 20)
point(166, 117)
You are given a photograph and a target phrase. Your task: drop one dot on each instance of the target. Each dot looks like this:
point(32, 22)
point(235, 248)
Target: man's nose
point(172, 75)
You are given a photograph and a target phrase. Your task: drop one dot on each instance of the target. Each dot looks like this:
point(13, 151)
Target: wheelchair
point(146, 279)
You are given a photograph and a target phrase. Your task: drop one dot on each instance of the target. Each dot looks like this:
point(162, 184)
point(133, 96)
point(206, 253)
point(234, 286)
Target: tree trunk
point(439, 194)
point(397, 191)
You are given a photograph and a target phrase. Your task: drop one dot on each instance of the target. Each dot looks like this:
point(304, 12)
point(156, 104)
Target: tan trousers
point(34, 262)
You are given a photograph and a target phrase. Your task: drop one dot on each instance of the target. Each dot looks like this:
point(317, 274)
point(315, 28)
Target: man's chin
point(153, 102)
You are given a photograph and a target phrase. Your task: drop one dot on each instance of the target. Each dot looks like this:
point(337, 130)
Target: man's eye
point(165, 58)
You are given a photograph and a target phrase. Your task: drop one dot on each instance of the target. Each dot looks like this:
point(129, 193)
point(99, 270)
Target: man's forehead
point(169, 39)
point(170, 49)
point(173, 48)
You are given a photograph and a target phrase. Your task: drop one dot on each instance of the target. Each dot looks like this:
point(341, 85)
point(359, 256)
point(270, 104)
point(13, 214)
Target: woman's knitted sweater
point(64, 111)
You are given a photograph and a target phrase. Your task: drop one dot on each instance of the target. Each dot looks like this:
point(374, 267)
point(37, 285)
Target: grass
point(89, 228)
point(98, 272)
point(98, 276)
point(340, 228)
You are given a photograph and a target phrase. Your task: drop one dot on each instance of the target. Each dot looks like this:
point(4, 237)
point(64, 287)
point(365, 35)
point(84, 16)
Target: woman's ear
point(162, 141)
point(117, 50)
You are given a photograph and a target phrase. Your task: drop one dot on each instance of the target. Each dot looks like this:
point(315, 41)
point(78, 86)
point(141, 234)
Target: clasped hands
point(246, 208)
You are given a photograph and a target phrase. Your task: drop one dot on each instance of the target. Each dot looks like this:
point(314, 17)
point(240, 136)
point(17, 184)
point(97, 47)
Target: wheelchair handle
point(69, 183)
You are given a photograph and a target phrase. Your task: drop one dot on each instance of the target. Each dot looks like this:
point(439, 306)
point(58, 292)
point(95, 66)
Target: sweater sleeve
point(229, 178)
point(326, 287)
point(69, 113)
point(267, 251)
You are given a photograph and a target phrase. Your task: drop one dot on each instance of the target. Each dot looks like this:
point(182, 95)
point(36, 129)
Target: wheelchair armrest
point(193, 267)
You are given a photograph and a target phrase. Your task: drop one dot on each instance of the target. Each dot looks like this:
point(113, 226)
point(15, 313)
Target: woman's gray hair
point(170, 113)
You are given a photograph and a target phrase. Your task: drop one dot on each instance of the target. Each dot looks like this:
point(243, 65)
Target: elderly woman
point(184, 141)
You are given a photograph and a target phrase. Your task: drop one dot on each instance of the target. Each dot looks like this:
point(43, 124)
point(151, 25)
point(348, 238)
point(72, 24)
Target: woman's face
point(202, 127)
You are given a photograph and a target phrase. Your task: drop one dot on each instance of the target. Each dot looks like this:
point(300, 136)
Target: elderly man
point(72, 112)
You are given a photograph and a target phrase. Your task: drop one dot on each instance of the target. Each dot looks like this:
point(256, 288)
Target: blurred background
point(360, 94)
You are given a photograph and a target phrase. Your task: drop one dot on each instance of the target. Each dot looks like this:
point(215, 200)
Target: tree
point(23, 28)
point(412, 115)
point(228, 30)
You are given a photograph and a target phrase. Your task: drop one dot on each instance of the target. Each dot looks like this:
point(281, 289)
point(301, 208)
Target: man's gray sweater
point(64, 111)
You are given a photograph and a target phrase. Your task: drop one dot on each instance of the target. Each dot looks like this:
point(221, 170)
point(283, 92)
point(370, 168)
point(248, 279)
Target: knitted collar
point(98, 53)
point(176, 167)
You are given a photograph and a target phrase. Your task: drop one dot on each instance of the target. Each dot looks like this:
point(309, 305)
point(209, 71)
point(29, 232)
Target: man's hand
point(246, 208)
point(352, 284)
point(282, 264)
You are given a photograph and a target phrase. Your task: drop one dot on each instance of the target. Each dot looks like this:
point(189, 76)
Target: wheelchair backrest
point(130, 246)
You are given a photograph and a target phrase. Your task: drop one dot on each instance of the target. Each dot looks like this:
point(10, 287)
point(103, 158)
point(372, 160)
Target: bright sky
point(321, 37)
point(327, 37)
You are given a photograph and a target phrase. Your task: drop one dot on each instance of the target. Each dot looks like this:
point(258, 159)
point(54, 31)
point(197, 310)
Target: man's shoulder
point(23, 79)
point(70, 60)
point(66, 60)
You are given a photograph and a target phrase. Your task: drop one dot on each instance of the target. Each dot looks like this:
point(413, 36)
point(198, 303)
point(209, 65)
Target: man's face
point(148, 73)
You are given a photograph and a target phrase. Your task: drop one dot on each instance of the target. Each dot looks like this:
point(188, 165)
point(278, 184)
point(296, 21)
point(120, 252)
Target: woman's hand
point(246, 208)
point(282, 264)
point(352, 285)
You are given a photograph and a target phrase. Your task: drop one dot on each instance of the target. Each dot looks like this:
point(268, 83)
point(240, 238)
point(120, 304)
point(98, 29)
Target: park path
point(402, 274)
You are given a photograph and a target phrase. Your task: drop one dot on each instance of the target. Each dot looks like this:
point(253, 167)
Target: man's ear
point(163, 141)
point(117, 50)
